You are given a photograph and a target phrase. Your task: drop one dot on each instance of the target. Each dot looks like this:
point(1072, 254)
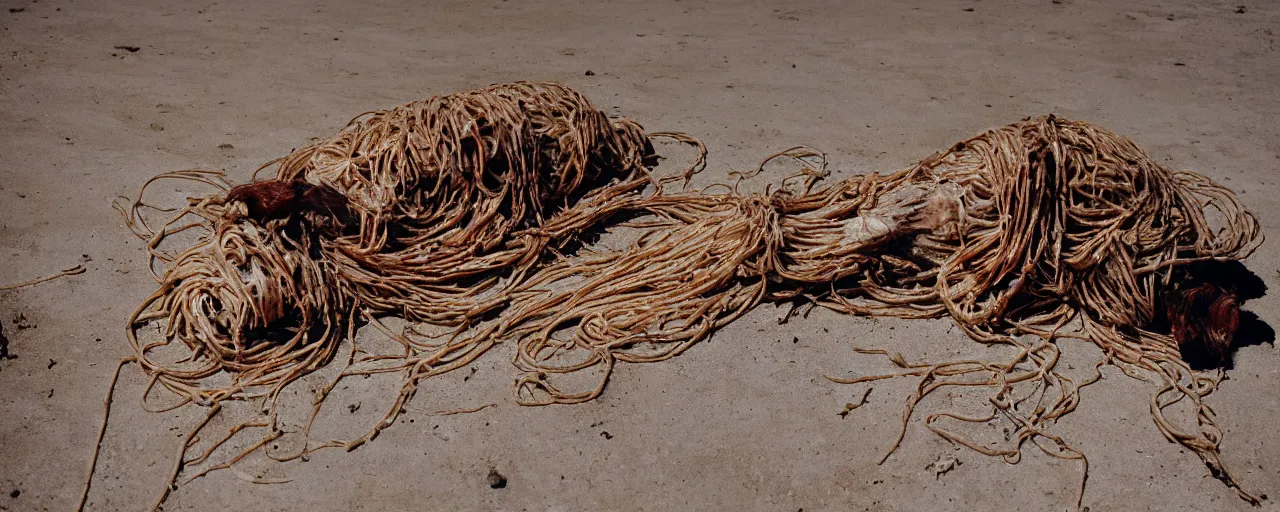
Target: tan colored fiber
point(445, 203)
point(68, 272)
point(1021, 231)
point(459, 212)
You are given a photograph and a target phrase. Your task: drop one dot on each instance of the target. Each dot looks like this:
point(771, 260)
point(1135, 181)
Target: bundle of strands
point(428, 211)
point(1039, 230)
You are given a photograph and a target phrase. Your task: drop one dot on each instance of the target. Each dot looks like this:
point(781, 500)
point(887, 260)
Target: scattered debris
point(20, 321)
point(590, 73)
point(16, 492)
point(943, 465)
point(225, 146)
point(127, 48)
point(851, 406)
point(466, 411)
point(4, 346)
point(14, 10)
point(353, 408)
point(605, 434)
point(52, 363)
point(68, 272)
point(1240, 9)
point(496, 480)
point(157, 127)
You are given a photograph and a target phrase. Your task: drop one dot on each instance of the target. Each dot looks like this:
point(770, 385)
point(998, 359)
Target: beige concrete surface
point(743, 422)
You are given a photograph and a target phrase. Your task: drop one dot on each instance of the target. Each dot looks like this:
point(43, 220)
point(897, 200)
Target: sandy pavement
point(743, 422)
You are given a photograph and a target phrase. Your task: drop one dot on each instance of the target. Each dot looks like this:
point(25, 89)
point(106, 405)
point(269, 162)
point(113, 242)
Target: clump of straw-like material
point(443, 197)
point(430, 211)
point(452, 208)
point(1036, 231)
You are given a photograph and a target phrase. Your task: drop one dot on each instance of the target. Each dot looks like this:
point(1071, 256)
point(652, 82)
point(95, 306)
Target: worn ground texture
point(743, 422)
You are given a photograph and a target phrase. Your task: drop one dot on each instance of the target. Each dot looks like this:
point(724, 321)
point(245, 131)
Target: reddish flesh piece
point(1204, 320)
